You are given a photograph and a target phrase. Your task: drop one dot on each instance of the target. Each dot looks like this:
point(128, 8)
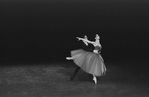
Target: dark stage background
point(34, 31)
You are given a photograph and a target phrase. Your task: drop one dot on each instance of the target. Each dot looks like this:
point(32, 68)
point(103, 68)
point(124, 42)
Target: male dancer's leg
point(74, 74)
point(90, 77)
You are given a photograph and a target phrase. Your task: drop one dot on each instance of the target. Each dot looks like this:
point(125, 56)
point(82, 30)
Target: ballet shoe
point(95, 80)
point(68, 58)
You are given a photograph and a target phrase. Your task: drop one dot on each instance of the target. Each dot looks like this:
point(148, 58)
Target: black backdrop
point(46, 30)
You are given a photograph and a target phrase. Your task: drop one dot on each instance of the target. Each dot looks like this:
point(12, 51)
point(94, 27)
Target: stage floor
point(51, 80)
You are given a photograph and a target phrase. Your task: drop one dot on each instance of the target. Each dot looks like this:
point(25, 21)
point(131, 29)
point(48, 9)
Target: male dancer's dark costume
point(89, 48)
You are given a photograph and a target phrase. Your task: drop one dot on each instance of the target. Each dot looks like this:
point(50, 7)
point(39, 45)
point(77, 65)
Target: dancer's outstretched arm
point(85, 40)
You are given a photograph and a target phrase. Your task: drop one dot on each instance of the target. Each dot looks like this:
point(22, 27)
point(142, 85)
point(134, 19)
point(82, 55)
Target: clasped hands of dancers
point(90, 62)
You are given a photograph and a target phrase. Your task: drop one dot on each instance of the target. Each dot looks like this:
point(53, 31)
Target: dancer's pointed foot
point(69, 58)
point(95, 79)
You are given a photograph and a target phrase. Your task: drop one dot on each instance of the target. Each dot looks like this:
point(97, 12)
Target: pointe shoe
point(69, 58)
point(95, 79)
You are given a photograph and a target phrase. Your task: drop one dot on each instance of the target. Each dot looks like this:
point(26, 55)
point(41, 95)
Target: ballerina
point(90, 62)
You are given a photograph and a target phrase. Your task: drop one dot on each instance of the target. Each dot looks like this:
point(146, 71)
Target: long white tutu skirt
point(89, 62)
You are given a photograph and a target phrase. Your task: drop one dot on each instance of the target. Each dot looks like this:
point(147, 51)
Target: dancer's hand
point(83, 39)
point(78, 38)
